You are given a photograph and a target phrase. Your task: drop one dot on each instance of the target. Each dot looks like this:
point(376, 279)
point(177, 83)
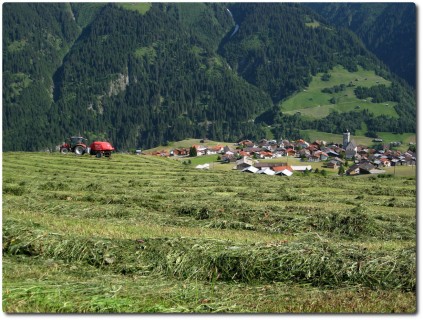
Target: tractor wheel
point(98, 155)
point(64, 150)
point(107, 154)
point(79, 150)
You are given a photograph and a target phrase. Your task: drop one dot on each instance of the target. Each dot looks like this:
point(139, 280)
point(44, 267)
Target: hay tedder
point(79, 146)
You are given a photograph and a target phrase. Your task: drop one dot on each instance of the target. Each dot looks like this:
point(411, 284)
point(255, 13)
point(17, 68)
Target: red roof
point(265, 153)
point(281, 168)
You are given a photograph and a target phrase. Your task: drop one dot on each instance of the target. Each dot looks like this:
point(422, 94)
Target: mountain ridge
point(141, 77)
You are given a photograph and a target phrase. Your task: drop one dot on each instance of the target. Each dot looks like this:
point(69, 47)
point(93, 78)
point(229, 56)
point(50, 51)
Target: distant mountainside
point(387, 29)
point(143, 74)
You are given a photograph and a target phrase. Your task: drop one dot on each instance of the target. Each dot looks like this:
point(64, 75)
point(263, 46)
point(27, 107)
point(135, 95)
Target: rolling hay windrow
point(204, 238)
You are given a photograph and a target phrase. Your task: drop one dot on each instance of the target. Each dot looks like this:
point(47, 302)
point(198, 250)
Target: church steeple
point(345, 139)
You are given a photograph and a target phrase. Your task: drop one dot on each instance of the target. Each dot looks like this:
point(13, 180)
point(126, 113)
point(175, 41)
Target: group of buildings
point(249, 156)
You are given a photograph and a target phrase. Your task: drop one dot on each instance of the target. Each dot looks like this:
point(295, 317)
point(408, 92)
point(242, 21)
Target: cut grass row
point(309, 260)
point(45, 286)
point(199, 223)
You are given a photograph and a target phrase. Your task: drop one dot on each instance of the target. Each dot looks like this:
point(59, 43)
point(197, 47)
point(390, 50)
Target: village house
point(214, 150)
point(227, 150)
point(180, 152)
point(246, 143)
point(278, 153)
point(385, 162)
point(201, 150)
point(162, 153)
point(263, 142)
point(300, 144)
point(333, 164)
point(366, 160)
point(312, 158)
point(362, 168)
point(265, 155)
point(291, 153)
point(243, 163)
point(304, 153)
point(244, 154)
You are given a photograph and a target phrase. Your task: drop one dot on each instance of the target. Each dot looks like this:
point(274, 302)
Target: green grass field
point(141, 8)
point(387, 137)
point(187, 143)
point(145, 234)
point(314, 104)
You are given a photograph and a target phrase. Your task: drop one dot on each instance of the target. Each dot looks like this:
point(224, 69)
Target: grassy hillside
point(186, 143)
point(387, 137)
point(141, 8)
point(148, 234)
point(314, 104)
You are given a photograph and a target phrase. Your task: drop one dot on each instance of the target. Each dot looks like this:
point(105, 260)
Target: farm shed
point(301, 168)
point(243, 163)
point(205, 166)
point(284, 172)
point(261, 165)
point(250, 169)
point(266, 171)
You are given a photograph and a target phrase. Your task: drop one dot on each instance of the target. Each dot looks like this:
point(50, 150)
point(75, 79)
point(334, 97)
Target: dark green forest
point(205, 70)
point(387, 29)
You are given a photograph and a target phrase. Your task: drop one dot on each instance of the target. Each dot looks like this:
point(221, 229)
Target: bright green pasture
point(314, 104)
point(187, 143)
point(314, 24)
point(142, 8)
point(387, 137)
point(148, 234)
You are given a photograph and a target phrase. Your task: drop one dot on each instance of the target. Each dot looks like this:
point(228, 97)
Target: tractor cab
point(74, 141)
point(75, 144)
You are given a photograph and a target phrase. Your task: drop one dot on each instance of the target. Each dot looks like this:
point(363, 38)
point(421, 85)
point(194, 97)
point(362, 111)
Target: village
point(271, 157)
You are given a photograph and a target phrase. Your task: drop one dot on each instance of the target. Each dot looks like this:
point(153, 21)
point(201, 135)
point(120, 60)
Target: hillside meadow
point(361, 139)
point(312, 103)
point(144, 234)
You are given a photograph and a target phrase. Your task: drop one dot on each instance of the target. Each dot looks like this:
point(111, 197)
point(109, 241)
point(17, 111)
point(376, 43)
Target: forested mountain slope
point(140, 75)
point(387, 29)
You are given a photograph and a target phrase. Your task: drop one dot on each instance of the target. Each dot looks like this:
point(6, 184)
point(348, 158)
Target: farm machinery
point(79, 146)
point(101, 148)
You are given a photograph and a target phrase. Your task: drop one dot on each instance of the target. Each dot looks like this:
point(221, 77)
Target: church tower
point(345, 139)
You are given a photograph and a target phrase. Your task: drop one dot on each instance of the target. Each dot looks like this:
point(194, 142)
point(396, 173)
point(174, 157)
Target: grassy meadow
point(314, 104)
point(144, 234)
point(141, 8)
point(361, 139)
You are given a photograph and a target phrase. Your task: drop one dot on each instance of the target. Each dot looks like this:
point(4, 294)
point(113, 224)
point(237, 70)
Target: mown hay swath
point(307, 260)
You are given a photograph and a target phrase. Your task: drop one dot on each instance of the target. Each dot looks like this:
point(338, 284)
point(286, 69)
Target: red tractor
point(101, 148)
point(77, 145)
